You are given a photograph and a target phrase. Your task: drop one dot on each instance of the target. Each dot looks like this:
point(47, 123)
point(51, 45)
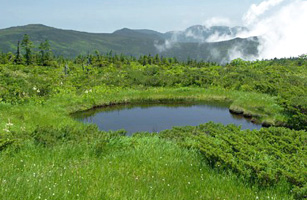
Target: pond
point(154, 117)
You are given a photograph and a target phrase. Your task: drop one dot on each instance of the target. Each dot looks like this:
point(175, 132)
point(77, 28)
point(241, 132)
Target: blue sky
point(111, 15)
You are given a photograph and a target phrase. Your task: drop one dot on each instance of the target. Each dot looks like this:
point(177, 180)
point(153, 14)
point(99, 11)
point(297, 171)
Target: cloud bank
point(217, 21)
point(281, 27)
point(257, 10)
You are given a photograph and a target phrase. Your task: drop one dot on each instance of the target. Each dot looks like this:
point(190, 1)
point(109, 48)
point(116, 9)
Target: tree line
point(28, 54)
point(25, 53)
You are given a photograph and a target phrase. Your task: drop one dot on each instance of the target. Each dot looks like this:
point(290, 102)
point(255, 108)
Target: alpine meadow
point(256, 70)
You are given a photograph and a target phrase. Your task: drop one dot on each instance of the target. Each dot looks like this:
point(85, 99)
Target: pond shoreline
point(243, 108)
point(89, 115)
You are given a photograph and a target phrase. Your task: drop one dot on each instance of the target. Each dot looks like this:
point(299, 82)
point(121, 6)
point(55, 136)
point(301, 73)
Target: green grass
point(56, 110)
point(45, 153)
point(124, 168)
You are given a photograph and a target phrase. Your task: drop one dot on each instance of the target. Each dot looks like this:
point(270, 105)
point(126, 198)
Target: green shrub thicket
point(284, 79)
point(35, 103)
point(265, 156)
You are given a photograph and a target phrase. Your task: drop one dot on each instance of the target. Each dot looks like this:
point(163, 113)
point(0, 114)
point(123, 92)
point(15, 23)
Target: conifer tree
point(18, 59)
point(45, 53)
point(27, 46)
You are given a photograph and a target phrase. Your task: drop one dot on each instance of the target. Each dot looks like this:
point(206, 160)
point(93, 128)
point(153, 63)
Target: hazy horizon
point(116, 29)
point(108, 16)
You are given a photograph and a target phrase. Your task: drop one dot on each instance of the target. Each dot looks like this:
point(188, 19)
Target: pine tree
point(45, 53)
point(27, 45)
point(18, 59)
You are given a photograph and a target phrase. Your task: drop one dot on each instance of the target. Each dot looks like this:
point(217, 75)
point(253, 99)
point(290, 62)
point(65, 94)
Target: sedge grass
point(143, 167)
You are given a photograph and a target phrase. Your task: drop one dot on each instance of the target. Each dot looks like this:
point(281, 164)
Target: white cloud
point(168, 44)
point(217, 21)
point(283, 32)
point(257, 10)
point(216, 37)
point(238, 52)
point(280, 26)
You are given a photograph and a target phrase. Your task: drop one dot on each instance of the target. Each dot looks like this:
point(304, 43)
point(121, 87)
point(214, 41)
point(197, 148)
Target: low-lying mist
point(279, 25)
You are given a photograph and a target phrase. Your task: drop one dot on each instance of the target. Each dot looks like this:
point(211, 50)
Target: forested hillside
point(69, 43)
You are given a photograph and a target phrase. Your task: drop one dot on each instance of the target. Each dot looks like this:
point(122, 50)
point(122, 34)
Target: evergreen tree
point(149, 59)
point(27, 45)
point(144, 60)
point(157, 59)
point(18, 59)
point(45, 53)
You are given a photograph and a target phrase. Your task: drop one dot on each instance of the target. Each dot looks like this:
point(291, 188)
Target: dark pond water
point(156, 117)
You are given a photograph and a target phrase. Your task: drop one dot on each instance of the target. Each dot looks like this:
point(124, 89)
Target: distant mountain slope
point(220, 52)
point(70, 43)
point(139, 32)
point(201, 34)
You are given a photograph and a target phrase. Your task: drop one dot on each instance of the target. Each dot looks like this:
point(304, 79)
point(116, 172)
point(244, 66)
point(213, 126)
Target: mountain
point(200, 34)
point(139, 32)
point(190, 43)
point(70, 43)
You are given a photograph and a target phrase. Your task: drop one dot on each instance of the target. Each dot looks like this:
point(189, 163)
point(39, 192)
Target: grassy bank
point(44, 133)
point(119, 168)
point(56, 110)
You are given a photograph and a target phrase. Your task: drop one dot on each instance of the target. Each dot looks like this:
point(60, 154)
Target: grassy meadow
point(145, 167)
point(45, 154)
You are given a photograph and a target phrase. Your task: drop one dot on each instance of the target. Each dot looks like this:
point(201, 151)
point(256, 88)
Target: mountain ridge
point(135, 42)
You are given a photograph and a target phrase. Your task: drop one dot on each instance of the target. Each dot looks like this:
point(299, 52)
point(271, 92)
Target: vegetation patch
point(44, 153)
point(266, 156)
point(86, 164)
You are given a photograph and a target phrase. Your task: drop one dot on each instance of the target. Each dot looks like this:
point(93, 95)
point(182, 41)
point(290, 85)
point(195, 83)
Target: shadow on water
point(154, 117)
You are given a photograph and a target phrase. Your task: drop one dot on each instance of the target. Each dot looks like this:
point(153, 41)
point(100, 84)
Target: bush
point(266, 156)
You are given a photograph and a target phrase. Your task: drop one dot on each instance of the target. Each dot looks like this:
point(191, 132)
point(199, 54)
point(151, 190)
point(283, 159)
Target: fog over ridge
point(278, 24)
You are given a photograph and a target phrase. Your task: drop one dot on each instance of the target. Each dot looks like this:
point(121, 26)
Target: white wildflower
point(6, 130)
point(9, 123)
